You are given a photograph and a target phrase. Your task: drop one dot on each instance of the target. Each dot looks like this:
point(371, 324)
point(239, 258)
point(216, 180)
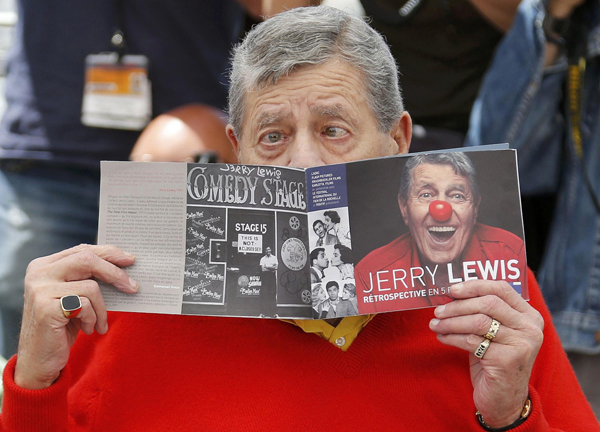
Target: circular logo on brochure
point(293, 254)
point(243, 281)
point(294, 222)
point(306, 296)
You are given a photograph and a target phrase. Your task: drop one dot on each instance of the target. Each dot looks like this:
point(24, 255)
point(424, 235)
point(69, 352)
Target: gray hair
point(313, 36)
point(459, 162)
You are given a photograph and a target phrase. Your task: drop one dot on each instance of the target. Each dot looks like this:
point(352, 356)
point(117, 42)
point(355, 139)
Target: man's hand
point(46, 334)
point(562, 9)
point(500, 379)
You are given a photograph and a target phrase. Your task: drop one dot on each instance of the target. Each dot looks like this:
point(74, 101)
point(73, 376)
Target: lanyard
point(575, 95)
point(575, 86)
point(118, 38)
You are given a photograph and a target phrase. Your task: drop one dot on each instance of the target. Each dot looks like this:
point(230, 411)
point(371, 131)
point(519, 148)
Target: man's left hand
point(500, 379)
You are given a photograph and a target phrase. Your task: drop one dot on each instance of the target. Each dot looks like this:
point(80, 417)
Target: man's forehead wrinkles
point(424, 182)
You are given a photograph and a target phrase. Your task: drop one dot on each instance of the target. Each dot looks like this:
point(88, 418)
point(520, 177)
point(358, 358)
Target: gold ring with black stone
point(70, 305)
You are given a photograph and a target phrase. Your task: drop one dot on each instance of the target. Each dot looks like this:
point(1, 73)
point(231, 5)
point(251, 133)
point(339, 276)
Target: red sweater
point(162, 373)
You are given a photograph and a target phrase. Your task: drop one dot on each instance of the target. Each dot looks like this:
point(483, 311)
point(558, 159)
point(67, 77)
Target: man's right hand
point(46, 334)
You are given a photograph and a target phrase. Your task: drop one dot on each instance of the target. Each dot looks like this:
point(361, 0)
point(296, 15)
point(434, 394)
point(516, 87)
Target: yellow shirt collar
point(341, 336)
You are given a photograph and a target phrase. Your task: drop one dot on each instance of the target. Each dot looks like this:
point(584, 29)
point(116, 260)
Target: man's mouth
point(441, 233)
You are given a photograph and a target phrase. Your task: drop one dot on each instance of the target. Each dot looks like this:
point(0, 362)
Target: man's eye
point(425, 197)
point(273, 137)
point(335, 132)
point(458, 197)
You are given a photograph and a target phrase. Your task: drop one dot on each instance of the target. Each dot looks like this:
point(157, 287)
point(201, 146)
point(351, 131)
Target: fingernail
point(438, 310)
point(456, 288)
point(133, 284)
point(129, 255)
point(434, 322)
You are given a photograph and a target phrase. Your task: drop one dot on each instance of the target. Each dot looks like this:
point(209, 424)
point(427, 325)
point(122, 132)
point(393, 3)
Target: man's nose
point(440, 210)
point(306, 151)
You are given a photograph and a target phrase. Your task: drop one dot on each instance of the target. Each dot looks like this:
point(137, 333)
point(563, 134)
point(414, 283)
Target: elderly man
point(308, 87)
point(439, 201)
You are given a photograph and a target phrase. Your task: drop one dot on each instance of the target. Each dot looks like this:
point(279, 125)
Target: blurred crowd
point(473, 72)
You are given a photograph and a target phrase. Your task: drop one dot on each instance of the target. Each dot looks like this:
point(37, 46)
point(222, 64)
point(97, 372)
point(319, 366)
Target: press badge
point(117, 92)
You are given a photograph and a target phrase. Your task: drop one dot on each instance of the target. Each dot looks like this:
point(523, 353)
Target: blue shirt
point(521, 102)
point(187, 43)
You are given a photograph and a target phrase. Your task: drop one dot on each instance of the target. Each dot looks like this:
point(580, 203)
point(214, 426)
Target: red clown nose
point(440, 210)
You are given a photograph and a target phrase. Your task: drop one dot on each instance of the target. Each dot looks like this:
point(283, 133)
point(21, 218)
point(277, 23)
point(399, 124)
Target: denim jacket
point(521, 102)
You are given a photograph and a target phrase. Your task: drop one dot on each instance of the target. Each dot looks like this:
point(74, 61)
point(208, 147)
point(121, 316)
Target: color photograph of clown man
point(439, 201)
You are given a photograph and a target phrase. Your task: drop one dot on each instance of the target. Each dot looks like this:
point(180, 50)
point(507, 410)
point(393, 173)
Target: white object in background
point(350, 6)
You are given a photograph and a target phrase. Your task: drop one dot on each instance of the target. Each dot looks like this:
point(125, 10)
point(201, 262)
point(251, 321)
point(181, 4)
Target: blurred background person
point(49, 160)
point(185, 134)
point(541, 95)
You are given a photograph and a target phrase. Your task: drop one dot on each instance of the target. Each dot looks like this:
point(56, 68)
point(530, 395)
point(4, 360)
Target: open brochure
point(362, 237)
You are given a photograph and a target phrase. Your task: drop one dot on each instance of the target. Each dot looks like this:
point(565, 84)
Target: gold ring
point(70, 305)
point(482, 348)
point(493, 331)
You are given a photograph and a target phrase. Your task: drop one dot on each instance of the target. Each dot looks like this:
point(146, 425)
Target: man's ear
point(402, 133)
point(234, 142)
point(403, 210)
point(477, 209)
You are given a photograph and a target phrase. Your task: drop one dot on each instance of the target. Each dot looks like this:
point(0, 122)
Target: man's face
point(320, 229)
point(315, 116)
point(322, 260)
point(439, 242)
point(268, 251)
point(333, 292)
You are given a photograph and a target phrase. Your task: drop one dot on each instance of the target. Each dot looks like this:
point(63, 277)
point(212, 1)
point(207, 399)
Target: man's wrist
point(520, 420)
point(23, 379)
